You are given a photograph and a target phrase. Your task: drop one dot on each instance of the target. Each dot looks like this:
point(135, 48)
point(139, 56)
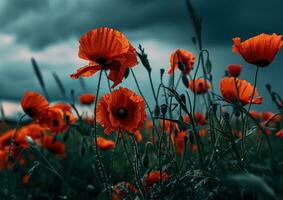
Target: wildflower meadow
point(193, 139)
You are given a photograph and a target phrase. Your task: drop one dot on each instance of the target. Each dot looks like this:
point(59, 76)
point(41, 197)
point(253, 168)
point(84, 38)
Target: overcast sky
point(48, 30)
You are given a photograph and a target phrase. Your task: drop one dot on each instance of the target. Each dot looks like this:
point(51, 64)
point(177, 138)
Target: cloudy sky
point(48, 30)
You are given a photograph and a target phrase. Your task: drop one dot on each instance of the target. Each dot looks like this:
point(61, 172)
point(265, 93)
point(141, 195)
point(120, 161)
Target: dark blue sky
point(49, 31)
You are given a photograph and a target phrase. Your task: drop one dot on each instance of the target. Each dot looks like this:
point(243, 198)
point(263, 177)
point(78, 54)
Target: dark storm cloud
point(40, 23)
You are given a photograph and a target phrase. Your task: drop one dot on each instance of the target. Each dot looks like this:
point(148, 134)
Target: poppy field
point(194, 139)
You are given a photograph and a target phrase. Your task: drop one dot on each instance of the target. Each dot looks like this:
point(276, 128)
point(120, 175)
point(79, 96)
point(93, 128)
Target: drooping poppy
point(87, 99)
point(280, 133)
point(259, 50)
point(105, 144)
point(228, 90)
point(121, 109)
point(155, 177)
point(106, 49)
point(34, 104)
point(185, 57)
point(54, 146)
point(234, 70)
point(199, 85)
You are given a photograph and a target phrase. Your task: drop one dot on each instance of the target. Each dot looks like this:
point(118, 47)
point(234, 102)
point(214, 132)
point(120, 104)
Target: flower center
point(102, 61)
point(122, 113)
point(262, 63)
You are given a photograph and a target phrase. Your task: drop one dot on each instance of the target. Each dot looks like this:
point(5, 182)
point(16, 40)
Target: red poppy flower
point(3, 159)
point(199, 86)
point(180, 142)
point(259, 50)
point(26, 179)
point(169, 126)
point(35, 131)
point(255, 114)
point(55, 147)
point(87, 99)
point(34, 104)
point(270, 116)
point(234, 70)
point(148, 125)
point(138, 136)
point(105, 144)
point(180, 55)
point(228, 90)
point(121, 109)
point(5, 138)
point(154, 177)
point(106, 49)
point(280, 133)
point(57, 118)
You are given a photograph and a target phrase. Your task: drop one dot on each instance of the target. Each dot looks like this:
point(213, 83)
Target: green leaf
point(254, 182)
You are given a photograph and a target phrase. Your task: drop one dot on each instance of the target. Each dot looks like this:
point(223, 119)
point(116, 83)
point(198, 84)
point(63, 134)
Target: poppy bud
point(181, 66)
point(226, 115)
point(208, 66)
point(163, 109)
point(183, 98)
point(185, 81)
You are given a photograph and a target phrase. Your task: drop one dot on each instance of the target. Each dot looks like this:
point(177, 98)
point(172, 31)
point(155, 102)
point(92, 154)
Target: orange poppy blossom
point(35, 131)
point(228, 90)
point(255, 114)
point(121, 109)
point(105, 144)
point(57, 118)
point(106, 49)
point(180, 142)
point(181, 55)
point(148, 125)
point(87, 99)
point(54, 146)
point(199, 85)
point(167, 126)
point(200, 120)
point(234, 70)
point(270, 116)
point(25, 179)
point(259, 50)
point(155, 177)
point(138, 136)
point(34, 104)
point(280, 133)
point(122, 189)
